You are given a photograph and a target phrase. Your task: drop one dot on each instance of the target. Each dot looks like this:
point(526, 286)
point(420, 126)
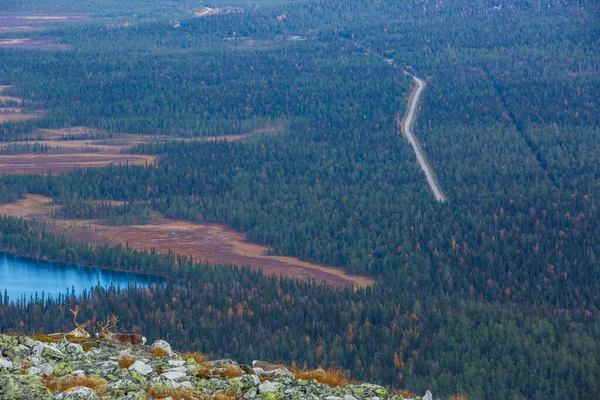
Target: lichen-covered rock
point(23, 387)
point(269, 387)
point(98, 364)
point(78, 393)
point(222, 363)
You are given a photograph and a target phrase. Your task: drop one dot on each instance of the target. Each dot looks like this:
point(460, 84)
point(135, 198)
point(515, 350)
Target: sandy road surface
point(406, 125)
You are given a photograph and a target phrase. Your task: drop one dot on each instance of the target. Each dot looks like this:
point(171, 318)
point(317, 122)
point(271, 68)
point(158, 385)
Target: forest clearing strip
point(28, 44)
point(9, 113)
point(61, 163)
point(406, 125)
point(62, 150)
point(510, 116)
point(213, 243)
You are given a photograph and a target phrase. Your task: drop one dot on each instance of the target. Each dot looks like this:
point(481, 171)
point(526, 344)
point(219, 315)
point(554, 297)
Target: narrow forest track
point(407, 122)
point(406, 127)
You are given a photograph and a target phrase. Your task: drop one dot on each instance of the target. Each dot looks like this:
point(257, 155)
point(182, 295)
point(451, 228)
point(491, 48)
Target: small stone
point(173, 375)
point(78, 372)
point(349, 397)
point(141, 367)
point(176, 363)
point(428, 396)
point(183, 369)
point(46, 369)
point(34, 371)
point(249, 395)
point(269, 387)
point(163, 345)
point(4, 363)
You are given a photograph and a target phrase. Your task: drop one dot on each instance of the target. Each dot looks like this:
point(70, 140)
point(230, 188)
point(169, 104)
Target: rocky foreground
point(99, 369)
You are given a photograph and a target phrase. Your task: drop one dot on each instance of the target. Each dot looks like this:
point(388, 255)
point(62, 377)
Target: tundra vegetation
point(493, 293)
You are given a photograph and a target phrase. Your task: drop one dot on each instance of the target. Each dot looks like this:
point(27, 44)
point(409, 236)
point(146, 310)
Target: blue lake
point(24, 276)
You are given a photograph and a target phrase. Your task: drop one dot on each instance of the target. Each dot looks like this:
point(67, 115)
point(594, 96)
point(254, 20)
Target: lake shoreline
point(24, 278)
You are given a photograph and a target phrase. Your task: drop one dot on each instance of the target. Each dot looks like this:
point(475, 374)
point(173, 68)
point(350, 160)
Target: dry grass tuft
point(203, 371)
point(331, 377)
point(126, 361)
point(175, 394)
point(225, 396)
point(187, 394)
point(459, 396)
point(99, 385)
point(232, 371)
point(198, 357)
point(159, 352)
point(25, 367)
point(46, 338)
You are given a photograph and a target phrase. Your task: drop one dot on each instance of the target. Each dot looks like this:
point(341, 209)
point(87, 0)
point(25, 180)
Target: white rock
point(349, 397)
point(428, 396)
point(269, 387)
point(187, 385)
point(4, 363)
point(182, 369)
point(78, 372)
point(174, 375)
point(333, 398)
point(34, 371)
point(78, 393)
point(141, 367)
point(176, 363)
point(161, 344)
point(22, 348)
point(46, 369)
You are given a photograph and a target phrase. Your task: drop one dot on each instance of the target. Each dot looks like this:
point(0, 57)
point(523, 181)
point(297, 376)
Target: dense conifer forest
point(494, 293)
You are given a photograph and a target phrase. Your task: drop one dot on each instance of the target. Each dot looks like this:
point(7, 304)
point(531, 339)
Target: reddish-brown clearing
point(28, 44)
point(213, 243)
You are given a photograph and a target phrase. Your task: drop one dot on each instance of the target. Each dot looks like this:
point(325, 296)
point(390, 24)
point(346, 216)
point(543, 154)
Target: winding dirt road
point(406, 125)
